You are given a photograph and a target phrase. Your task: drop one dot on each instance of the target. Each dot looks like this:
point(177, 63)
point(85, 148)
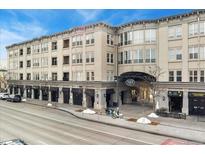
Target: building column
point(185, 108)
point(100, 99)
point(13, 91)
point(19, 91)
point(49, 95)
point(24, 92)
point(60, 98)
point(84, 103)
point(71, 97)
point(32, 93)
point(40, 94)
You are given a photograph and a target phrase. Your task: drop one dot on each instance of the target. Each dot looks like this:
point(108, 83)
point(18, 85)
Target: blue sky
point(20, 25)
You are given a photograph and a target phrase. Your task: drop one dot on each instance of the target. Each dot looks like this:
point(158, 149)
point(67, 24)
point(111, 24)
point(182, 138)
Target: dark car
point(13, 142)
point(14, 98)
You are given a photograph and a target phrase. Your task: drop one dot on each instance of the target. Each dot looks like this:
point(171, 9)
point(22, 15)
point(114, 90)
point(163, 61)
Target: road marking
point(80, 126)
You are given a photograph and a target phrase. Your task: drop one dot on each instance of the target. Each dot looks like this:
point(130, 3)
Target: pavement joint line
point(136, 129)
point(84, 127)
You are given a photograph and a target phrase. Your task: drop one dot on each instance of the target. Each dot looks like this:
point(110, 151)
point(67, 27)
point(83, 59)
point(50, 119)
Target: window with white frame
point(201, 75)
point(138, 37)
point(193, 28)
point(44, 76)
point(202, 52)
point(44, 47)
point(110, 75)
point(175, 54)
point(138, 56)
point(44, 61)
point(15, 53)
point(54, 45)
point(90, 57)
point(178, 76)
point(193, 76)
point(150, 35)
point(54, 76)
point(109, 39)
point(193, 52)
point(36, 48)
point(90, 38)
point(110, 57)
point(120, 39)
point(127, 38)
point(90, 76)
point(171, 76)
point(77, 58)
point(175, 31)
point(120, 58)
point(127, 57)
point(77, 75)
point(36, 62)
point(77, 40)
point(202, 27)
point(54, 61)
point(36, 76)
point(150, 56)
point(66, 43)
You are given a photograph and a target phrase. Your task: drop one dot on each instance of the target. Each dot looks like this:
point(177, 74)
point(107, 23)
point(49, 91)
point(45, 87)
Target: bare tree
point(156, 72)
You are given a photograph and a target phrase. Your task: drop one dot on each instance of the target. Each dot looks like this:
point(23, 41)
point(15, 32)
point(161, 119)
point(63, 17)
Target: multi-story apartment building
point(79, 66)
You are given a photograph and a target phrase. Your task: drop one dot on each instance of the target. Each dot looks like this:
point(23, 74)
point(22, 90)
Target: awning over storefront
point(28, 87)
point(137, 76)
point(44, 88)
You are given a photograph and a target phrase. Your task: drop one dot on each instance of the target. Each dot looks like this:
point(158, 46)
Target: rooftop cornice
point(115, 28)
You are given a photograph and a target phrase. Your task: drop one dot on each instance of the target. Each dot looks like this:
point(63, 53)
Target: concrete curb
point(169, 131)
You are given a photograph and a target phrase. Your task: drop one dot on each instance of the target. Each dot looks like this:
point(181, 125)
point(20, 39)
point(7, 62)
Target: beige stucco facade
point(165, 42)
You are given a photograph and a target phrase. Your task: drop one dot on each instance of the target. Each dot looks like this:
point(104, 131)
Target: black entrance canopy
point(137, 76)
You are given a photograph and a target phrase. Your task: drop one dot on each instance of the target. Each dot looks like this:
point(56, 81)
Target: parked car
point(14, 98)
point(4, 96)
point(13, 142)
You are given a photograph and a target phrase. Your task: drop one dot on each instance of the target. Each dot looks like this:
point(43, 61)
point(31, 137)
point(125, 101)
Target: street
point(42, 125)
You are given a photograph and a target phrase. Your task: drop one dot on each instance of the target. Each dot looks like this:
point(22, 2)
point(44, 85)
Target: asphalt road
point(42, 125)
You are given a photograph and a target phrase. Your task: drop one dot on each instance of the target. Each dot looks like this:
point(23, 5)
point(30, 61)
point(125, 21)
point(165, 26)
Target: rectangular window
point(28, 76)
point(120, 58)
point(54, 45)
point(36, 76)
point(193, 28)
point(175, 31)
point(110, 76)
point(44, 47)
point(21, 76)
point(87, 76)
point(90, 57)
point(127, 38)
point(28, 63)
point(202, 52)
point(121, 39)
point(138, 37)
point(179, 76)
point(150, 55)
point(138, 56)
point(193, 76)
point(92, 76)
point(77, 40)
point(90, 38)
point(21, 52)
point(193, 52)
point(202, 76)
point(110, 59)
point(44, 76)
point(65, 76)
point(175, 54)
point(36, 48)
point(54, 60)
point(150, 35)
point(66, 43)
point(202, 27)
point(28, 50)
point(54, 76)
point(171, 76)
point(36, 62)
point(77, 58)
point(65, 59)
point(21, 64)
point(109, 39)
point(127, 57)
point(44, 61)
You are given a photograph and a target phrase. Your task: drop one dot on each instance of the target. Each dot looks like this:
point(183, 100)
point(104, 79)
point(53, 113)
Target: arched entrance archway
point(138, 87)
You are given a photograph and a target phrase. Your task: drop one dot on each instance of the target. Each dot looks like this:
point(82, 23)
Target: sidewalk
point(187, 129)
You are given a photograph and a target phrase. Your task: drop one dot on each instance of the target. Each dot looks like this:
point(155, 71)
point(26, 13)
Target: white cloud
point(88, 15)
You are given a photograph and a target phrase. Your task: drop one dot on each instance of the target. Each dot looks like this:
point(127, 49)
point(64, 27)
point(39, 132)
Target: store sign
point(196, 94)
point(130, 82)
